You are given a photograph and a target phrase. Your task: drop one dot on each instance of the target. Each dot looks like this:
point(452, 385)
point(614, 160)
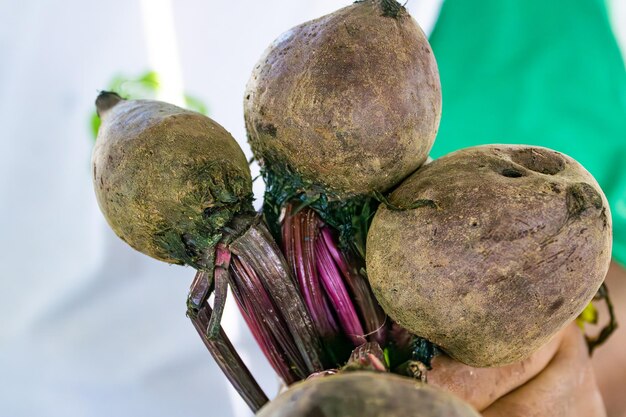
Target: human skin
point(609, 360)
point(560, 379)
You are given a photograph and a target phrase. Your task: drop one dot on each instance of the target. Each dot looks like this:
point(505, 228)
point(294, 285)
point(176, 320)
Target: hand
point(609, 360)
point(556, 381)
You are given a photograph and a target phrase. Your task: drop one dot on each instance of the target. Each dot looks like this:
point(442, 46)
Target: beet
point(349, 102)
point(168, 180)
point(366, 394)
point(489, 251)
point(175, 185)
point(338, 110)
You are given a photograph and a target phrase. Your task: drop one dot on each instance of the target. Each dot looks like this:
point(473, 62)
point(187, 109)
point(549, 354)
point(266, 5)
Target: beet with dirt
point(489, 251)
point(337, 110)
point(366, 394)
point(175, 185)
point(349, 102)
point(168, 180)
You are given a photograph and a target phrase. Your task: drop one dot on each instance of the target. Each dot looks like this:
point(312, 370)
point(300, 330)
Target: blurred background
point(89, 327)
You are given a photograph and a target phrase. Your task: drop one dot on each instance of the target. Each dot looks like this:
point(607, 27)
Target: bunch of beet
point(363, 258)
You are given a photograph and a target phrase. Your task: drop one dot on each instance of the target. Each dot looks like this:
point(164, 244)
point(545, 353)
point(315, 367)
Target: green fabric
point(536, 72)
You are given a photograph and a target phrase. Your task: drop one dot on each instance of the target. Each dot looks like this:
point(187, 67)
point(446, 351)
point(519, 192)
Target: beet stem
point(594, 342)
point(391, 8)
point(264, 308)
point(105, 101)
point(257, 249)
point(229, 361)
point(308, 268)
point(220, 274)
point(199, 291)
point(271, 338)
point(368, 356)
point(338, 294)
point(371, 313)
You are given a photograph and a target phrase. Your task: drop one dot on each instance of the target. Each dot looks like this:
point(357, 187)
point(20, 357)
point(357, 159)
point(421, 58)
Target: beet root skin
point(168, 180)
point(350, 101)
point(365, 394)
point(516, 244)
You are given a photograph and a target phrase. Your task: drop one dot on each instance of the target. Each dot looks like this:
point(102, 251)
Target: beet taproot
point(505, 245)
point(168, 180)
point(366, 394)
point(349, 102)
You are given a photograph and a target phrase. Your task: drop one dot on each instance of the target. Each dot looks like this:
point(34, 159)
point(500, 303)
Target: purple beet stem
point(255, 304)
point(271, 320)
point(220, 281)
point(224, 353)
point(339, 297)
point(298, 245)
point(256, 249)
point(322, 273)
point(272, 306)
point(372, 314)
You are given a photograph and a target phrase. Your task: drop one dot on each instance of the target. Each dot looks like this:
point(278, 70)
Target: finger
point(482, 386)
point(566, 388)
